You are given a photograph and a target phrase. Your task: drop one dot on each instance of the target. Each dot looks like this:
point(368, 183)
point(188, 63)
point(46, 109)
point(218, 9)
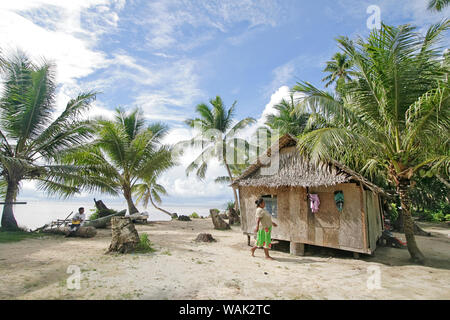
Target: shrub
point(447, 217)
point(144, 245)
point(93, 216)
point(194, 215)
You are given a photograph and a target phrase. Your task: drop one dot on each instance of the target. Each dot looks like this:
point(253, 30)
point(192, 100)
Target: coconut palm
point(394, 113)
point(32, 135)
point(125, 151)
point(236, 170)
point(151, 190)
point(438, 5)
point(217, 135)
point(339, 69)
point(288, 119)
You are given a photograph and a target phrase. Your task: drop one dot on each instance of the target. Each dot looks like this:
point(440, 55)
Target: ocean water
point(37, 213)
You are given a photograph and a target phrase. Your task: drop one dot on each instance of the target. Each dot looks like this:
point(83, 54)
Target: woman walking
point(263, 228)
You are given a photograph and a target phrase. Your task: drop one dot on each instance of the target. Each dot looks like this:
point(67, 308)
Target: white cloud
point(166, 20)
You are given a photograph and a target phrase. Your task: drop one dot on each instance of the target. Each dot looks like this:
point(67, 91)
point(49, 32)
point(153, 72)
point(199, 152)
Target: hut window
point(271, 204)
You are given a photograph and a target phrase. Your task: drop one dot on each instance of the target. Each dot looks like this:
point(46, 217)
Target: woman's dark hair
point(259, 201)
point(79, 209)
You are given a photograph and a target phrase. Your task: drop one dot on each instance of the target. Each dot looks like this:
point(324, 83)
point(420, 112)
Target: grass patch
point(15, 236)
point(144, 246)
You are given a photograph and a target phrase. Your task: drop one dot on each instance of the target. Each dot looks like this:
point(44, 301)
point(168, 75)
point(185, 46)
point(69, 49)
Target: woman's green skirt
point(263, 239)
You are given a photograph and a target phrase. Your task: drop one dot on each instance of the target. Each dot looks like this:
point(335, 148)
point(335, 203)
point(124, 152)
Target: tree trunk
point(218, 222)
point(125, 238)
point(9, 223)
point(408, 223)
point(160, 209)
point(236, 201)
point(131, 207)
point(82, 232)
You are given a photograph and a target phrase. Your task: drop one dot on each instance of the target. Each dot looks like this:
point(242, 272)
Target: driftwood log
point(125, 238)
point(218, 222)
point(82, 232)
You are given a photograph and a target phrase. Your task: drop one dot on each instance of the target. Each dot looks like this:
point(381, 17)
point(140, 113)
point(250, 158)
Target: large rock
point(125, 238)
point(218, 222)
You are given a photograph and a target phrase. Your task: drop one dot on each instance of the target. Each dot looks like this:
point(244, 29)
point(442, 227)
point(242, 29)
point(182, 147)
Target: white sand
point(183, 269)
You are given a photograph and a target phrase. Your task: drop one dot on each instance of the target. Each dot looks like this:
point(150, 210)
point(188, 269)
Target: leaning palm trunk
point(160, 209)
point(408, 223)
point(9, 223)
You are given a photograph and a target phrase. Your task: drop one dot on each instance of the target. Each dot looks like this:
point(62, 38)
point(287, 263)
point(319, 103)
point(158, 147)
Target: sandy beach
point(181, 268)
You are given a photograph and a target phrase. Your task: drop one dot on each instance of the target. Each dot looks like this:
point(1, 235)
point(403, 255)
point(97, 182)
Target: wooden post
point(248, 240)
point(297, 249)
point(363, 216)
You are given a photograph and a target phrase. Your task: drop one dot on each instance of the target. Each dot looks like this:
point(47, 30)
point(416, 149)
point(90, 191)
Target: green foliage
point(339, 69)
point(15, 236)
point(439, 214)
point(126, 152)
point(94, 216)
point(194, 215)
point(217, 121)
point(229, 205)
point(288, 119)
point(438, 5)
point(144, 246)
point(32, 136)
point(392, 118)
point(393, 212)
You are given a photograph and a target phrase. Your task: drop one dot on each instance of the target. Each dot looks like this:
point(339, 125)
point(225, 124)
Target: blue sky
point(167, 56)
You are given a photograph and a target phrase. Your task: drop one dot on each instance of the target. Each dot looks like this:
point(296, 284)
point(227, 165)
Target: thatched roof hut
point(288, 189)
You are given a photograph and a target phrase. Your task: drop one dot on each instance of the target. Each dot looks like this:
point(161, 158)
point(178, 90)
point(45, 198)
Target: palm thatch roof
point(297, 171)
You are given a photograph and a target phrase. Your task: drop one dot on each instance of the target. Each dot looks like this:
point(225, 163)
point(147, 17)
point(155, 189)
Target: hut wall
point(338, 229)
point(328, 227)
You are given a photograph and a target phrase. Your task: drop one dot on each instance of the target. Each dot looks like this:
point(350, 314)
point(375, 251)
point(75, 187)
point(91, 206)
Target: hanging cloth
point(314, 202)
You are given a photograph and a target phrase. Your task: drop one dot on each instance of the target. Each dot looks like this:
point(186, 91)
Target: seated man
point(77, 221)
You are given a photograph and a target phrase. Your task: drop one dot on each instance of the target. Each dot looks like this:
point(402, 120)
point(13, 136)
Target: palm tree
point(125, 151)
point(32, 135)
point(236, 170)
point(438, 5)
point(289, 119)
point(395, 113)
point(339, 69)
point(217, 135)
point(151, 190)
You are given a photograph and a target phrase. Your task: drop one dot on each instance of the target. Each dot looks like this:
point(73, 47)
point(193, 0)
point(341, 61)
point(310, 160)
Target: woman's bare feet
point(269, 258)
point(252, 250)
